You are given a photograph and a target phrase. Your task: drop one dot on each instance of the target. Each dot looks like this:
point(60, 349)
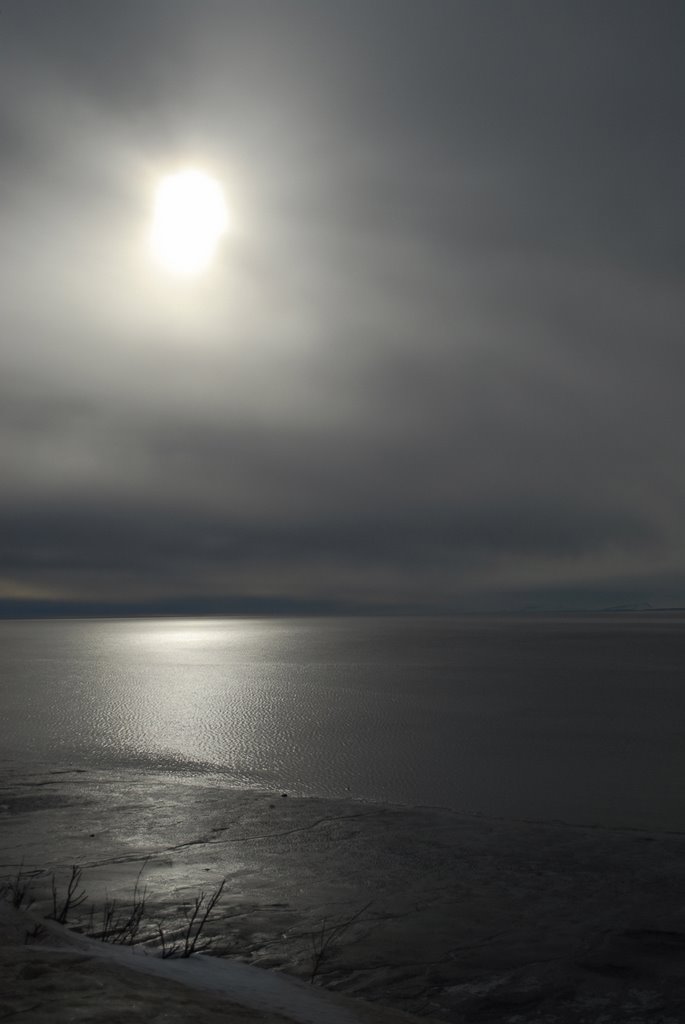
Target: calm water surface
point(581, 719)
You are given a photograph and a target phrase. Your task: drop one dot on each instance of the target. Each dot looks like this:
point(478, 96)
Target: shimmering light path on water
point(573, 718)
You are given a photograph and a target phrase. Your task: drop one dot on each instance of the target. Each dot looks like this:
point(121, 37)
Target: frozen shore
point(65, 976)
point(468, 918)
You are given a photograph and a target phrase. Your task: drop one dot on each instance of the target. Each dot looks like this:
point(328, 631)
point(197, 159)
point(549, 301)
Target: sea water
point(576, 718)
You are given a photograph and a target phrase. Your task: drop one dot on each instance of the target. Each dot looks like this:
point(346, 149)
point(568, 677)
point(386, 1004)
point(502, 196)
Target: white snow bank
point(247, 986)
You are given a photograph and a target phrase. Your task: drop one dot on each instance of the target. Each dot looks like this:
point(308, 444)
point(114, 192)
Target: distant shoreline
point(46, 611)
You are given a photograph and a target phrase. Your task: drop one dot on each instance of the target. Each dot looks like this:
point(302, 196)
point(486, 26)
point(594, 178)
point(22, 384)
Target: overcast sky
point(438, 364)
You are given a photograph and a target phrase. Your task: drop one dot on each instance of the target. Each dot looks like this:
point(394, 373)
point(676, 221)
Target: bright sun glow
point(190, 216)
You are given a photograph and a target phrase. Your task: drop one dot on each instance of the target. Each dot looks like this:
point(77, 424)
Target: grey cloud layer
point(439, 365)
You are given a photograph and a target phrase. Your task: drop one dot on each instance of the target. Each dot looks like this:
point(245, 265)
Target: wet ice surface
point(492, 919)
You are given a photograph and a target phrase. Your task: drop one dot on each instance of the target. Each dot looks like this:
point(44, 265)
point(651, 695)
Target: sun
point(189, 218)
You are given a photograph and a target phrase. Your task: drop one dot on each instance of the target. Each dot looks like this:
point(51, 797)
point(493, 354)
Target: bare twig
point(167, 950)
point(72, 899)
point(325, 939)
point(18, 889)
point(120, 925)
point(35, 934)
point(203, 905)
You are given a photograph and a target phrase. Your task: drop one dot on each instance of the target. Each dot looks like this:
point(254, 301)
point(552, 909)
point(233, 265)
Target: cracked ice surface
point(486, 918)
